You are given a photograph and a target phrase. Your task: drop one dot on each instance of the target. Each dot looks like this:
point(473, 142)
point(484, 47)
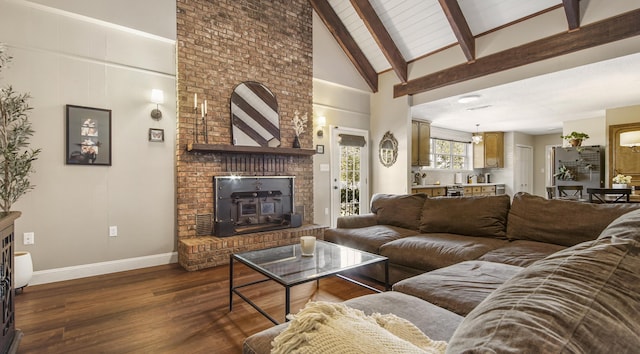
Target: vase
point(296, 142)
point(619, 186)
point(575, 142)
point(23, 269)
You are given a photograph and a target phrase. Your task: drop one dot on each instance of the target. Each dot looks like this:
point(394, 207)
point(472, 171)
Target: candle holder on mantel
point(203, 117)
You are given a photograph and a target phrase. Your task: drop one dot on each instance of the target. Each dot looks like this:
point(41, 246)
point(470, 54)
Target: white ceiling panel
point(360, 34)
point(540, 104)
point(418, 27)
point(486, 15)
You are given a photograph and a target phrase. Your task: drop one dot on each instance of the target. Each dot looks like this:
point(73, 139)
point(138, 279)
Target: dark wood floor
point(162, 309)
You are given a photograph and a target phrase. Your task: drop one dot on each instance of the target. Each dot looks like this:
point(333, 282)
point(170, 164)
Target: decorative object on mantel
point(575, 138)
point(255, 120)
point(631, 140)
point(15, 154)
point(388, 149)
point(299, 125)
point(621, 181)
point(203, 119)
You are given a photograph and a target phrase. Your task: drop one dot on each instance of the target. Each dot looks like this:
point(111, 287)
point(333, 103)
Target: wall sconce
point(157, 97)
point(476, 138)
point(321, 122)
point(631, 140)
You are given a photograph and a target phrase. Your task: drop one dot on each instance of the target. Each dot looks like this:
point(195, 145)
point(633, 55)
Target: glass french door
point(349, 173)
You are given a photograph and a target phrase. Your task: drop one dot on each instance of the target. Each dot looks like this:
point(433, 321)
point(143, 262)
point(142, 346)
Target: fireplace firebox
point(253, 204)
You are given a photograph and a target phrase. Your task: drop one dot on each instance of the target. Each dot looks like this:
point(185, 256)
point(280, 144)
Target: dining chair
point(570, 192)
point(609, 195)
point(551, 192)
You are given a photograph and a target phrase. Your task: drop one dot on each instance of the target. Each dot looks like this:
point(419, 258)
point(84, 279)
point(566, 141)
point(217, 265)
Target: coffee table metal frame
point(289, 261)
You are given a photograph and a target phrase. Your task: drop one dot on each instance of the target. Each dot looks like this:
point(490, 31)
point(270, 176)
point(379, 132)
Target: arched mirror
point(255, 120)
point(388, 150)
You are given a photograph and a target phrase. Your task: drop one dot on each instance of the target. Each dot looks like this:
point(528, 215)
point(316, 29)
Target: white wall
point(393, 115)
point(330, 63)
point(341, 95)
point(342, 107)
point(595, 127)
point(62, 58)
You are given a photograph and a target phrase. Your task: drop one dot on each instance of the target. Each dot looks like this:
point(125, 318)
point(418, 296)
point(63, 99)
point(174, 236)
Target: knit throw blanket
point(323, 327)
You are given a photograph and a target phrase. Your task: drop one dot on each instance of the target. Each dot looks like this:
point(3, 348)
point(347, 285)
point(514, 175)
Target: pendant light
point(476, 138)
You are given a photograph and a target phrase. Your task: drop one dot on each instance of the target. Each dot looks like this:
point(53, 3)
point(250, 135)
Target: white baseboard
point(88, 270)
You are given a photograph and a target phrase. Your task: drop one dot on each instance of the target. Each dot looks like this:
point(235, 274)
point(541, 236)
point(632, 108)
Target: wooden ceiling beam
point(346, 42)
point(572, 10)
point(606, 31)
point(382, 37)
point(460, 28)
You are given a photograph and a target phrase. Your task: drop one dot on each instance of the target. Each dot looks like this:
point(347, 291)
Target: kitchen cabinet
point(479, 190)
point(420, 144)
point(490, 152)
point(431, 192)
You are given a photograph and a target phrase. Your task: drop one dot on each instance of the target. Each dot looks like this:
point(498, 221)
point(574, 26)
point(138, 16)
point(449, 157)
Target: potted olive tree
point(16, 157)
point(16, 160)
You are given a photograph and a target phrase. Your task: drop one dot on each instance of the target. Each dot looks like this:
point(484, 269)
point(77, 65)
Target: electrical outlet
point(29, 238)
point(113, 231)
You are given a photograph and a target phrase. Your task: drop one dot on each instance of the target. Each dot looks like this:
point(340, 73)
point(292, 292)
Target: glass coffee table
point(286, 266)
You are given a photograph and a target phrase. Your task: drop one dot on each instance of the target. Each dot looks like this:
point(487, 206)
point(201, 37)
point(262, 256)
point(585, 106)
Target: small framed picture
point(156, 135)
point(319, 149)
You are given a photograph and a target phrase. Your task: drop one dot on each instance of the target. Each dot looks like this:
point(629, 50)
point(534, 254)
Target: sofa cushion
point(401, 210)
point(472, 216)
point(432, 251)
point(521, 253)
point(367, 239)
point(561, 222)
point(458, 288)
point(584, 299)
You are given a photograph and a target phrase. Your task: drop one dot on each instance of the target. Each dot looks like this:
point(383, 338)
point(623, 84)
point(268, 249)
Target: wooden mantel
point(235, 149)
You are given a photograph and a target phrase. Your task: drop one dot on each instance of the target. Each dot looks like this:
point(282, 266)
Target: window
point(450, 155)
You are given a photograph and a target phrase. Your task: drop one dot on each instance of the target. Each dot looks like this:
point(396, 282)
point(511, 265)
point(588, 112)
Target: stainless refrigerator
point(579, 166)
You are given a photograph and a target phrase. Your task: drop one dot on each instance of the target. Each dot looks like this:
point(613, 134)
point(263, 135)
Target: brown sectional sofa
point(490, 276)
point(420, 234)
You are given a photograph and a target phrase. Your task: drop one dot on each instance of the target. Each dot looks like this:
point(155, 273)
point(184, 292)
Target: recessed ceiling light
point(468, 98)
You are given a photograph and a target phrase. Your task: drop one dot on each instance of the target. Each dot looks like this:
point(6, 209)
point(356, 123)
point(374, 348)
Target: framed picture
point(88, 136)
point(319, 149)
point(156, 135)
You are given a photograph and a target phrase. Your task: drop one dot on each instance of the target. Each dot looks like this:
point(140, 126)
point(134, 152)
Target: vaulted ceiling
point(382, 35)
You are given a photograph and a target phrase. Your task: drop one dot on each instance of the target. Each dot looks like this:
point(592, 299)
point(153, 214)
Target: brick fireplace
point(221, 44)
